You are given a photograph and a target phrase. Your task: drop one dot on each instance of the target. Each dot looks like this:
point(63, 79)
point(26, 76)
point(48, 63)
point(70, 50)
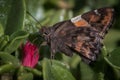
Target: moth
point(82, 34)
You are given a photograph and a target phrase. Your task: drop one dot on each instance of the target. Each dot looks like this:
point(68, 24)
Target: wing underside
point(83, 34)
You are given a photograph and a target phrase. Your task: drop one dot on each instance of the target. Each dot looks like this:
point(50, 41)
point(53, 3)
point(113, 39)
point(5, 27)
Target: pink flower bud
point(30, 55)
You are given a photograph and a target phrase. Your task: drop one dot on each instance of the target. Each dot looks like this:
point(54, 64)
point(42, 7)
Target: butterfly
point(82, 34)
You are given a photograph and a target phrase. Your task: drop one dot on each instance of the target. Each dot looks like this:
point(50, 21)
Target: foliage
point(17, 27)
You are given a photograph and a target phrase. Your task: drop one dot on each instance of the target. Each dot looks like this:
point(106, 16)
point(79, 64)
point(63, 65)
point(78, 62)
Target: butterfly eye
point(45, 33)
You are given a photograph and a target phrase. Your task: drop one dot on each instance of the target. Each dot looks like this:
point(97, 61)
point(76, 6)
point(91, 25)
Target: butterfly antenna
point(34, 18)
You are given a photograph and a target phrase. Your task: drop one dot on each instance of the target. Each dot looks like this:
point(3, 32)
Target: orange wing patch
point(79, 22)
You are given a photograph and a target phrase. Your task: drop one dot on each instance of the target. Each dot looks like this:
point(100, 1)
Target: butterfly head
point(45, 33)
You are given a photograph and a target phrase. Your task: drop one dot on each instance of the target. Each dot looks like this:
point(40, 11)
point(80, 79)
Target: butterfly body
point(82, 34)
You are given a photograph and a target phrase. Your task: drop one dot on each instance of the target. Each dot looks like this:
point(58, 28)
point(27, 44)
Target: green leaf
point(34, 71)
point(100, 76)
point(86, 72)
point(111, 40)
point(54, 70)
point(7, 58)
point(25, 76)
point(117, 73)
point(6, 68)
point(16, 17)
point(3, 41)
point(74, 61)
point(114, 58)
point(15, 41)
point(1, 30)
point(5, 6)
point(104, 51)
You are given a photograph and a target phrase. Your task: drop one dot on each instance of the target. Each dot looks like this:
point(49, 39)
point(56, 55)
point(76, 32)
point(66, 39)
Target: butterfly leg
point(52, 54)
point(53, 50)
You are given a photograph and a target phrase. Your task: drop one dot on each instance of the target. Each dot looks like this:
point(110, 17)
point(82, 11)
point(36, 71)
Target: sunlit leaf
point(3, 41)
point(114, 58)
point(55, 71)
point(111, 39)
point(6, 68)
point(86, 72)
point(7, 58)
point(34, 71)
point(15, 41)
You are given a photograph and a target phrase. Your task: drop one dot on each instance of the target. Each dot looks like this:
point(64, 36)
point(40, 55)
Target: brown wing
point(100, 19)
point(83, 34)
point(85, 41)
